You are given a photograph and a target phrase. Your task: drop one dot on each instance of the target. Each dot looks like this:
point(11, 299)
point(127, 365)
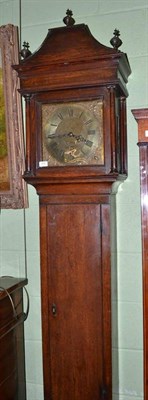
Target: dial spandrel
point(72, 133)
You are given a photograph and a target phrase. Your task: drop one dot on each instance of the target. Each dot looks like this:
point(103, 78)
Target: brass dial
point(71, 134)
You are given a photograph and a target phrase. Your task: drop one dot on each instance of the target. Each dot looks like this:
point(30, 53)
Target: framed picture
point(13, 190)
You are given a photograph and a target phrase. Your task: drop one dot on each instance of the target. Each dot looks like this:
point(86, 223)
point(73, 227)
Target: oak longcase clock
point(75, 93)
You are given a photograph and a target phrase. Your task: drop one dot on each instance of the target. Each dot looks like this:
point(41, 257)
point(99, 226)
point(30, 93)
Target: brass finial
point(116, 41)
point(69, 20)
point(25, 52)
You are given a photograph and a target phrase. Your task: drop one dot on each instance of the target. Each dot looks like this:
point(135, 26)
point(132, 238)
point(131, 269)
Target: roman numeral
point(70, 111)
point(89, 143)
point(88, 122)
point(91, 132)
point(81, 114)
point(60, 116)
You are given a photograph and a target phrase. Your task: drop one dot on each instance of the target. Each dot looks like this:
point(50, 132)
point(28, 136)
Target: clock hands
point(52, 136)
point(79, 138)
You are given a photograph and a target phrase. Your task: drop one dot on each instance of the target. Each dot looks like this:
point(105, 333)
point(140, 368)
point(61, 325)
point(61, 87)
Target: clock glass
point(72, 133)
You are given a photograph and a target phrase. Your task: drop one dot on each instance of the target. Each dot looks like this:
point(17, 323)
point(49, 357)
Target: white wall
point(131, 17)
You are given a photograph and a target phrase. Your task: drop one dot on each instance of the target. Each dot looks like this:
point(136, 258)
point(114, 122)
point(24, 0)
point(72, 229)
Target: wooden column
point(141, 117)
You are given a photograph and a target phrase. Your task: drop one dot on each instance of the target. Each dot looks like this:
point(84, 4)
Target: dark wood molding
point(141, 116)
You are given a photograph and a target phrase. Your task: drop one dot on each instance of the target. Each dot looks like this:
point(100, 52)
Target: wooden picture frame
point(13, 189)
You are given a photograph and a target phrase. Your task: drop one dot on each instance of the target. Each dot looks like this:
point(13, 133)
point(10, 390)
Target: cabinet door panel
point(75, 301)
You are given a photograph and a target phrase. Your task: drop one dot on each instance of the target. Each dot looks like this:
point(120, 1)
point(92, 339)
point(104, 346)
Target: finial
point(69, 20)
point(116, 41)
point(25, 52)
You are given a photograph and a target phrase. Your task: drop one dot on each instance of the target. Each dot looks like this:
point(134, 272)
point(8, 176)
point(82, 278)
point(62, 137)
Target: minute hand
point(69, 134)
point(52, 136)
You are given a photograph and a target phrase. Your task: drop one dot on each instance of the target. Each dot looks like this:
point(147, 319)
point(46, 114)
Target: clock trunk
point(76, 312)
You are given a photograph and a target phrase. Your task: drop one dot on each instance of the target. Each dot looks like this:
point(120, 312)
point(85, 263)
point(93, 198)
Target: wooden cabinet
point(76, 155)
point(141, 116)
point(12, 359)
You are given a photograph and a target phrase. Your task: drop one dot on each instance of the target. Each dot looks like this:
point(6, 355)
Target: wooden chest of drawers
point(12, 358)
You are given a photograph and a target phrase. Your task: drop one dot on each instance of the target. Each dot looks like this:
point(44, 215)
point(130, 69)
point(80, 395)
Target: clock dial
point(72, 133)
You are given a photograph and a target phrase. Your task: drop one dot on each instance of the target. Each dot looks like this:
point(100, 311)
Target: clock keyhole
point(54, 310)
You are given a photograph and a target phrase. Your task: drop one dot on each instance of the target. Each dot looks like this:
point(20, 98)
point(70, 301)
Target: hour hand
point(80, 138)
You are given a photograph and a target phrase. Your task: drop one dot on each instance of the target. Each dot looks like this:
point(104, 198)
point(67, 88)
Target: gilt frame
point(13, 194)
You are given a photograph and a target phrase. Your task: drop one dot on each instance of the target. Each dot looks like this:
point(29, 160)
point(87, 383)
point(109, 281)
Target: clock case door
point(76, 210)
point(76, 298)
